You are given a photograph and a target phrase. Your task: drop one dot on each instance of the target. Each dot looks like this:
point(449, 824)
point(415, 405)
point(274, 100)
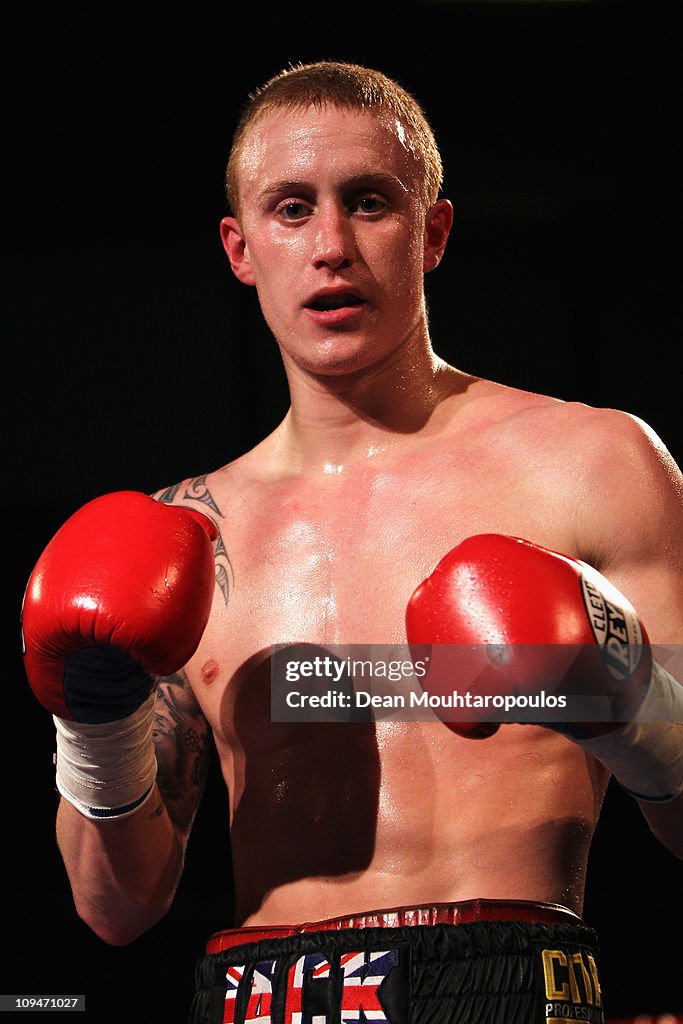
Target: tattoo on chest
point(198, 492)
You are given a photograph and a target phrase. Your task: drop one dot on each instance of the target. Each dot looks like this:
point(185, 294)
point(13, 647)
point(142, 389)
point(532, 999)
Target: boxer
point(439, 876)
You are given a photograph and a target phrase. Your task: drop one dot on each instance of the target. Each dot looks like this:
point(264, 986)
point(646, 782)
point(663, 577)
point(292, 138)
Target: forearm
point(124, 872)
point(646, 758)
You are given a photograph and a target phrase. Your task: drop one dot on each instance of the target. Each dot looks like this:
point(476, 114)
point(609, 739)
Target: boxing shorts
point(483, 961)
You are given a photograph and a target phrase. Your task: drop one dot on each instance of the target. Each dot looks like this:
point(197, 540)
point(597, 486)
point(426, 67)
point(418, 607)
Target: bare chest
point(335, 559)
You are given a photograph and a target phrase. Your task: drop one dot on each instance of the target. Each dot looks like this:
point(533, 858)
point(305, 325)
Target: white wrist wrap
point(646, 755)
point(107, 770)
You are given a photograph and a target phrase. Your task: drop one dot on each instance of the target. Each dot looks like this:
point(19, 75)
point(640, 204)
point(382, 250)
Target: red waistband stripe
point(464, 912)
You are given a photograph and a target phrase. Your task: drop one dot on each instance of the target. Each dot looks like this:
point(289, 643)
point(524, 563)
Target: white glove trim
point(646, 755)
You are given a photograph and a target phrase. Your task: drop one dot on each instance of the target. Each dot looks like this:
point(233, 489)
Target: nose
point(334, 244)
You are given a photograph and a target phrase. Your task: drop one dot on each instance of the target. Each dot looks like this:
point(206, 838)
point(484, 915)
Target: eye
point(293, 210)
point(368, 205)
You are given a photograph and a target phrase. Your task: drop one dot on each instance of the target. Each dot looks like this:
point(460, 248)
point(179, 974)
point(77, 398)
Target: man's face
point(332, 234)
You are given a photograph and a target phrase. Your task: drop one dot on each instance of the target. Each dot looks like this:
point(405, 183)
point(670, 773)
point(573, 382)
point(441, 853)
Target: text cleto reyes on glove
point(512, 620)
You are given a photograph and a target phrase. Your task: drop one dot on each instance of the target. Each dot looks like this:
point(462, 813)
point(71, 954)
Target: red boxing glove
point(123, 591)
point(522, 617)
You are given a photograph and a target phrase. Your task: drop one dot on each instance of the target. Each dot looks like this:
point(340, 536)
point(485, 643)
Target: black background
point(132, 358)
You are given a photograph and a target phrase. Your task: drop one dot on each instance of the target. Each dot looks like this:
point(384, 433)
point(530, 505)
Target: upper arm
point(630, 527)
point(181, 739)
point(630, 519)
point(182, 736)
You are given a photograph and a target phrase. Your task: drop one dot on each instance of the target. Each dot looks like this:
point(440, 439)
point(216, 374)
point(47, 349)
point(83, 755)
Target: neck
point(336, 419)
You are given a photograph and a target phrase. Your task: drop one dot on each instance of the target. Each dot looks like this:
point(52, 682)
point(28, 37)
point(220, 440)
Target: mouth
point(335, 308)
point(326, 301)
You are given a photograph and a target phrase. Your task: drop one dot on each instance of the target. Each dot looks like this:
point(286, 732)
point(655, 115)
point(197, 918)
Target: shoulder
point(214, 492)
point(624, 473)
point(608, 449)
point(611, 474)
point(603, 439)
point(230, 496)
point(623, 487)
point(630, 490)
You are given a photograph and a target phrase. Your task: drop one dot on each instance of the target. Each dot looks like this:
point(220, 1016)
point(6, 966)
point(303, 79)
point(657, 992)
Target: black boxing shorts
point(476, 962)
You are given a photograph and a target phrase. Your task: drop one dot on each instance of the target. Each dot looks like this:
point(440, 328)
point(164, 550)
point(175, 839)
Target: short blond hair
point(346, 86)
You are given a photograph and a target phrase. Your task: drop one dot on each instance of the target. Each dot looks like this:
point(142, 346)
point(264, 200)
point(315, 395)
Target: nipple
point(210, 670)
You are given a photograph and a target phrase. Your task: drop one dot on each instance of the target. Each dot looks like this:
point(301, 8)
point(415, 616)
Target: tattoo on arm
point(196, 490)
point(181, 741)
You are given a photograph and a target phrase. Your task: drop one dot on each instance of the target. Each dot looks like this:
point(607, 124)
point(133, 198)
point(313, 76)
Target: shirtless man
point(387, 459)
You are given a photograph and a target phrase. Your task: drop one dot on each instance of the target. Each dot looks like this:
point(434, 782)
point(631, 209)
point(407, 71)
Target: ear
point(235, 246)
point(438, 223)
